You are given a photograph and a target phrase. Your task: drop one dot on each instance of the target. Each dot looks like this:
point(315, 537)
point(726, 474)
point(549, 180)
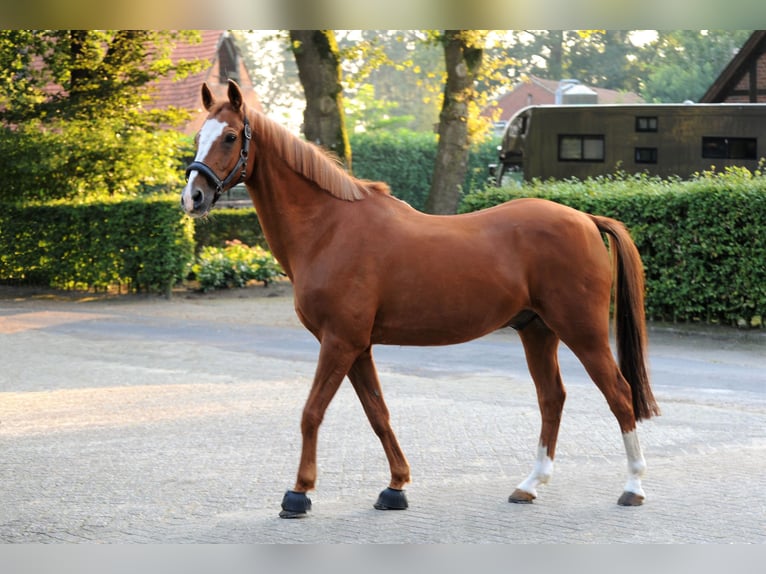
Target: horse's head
point(222, 152)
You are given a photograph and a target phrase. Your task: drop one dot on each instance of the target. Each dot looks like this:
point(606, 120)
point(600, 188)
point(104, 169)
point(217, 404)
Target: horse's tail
point(629, 318)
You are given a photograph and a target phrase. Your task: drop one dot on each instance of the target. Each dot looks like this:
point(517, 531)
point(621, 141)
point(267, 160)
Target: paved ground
point(146, 420)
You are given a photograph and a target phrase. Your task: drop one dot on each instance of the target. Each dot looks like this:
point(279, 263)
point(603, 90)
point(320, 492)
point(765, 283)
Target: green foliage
point(702, 241)
point(80, 159)
point(52, 75)
point(73, 122)
point(366, 113)
point(404, 67)
point(405, 161)
point(682, 64)
point(141, 244)
point(603, 58)
point(234, 266)
point(227, 224)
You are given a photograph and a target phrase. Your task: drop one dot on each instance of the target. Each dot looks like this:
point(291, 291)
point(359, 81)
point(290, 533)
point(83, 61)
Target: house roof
point(185, 93)
point(742, 63)
point(532, 90)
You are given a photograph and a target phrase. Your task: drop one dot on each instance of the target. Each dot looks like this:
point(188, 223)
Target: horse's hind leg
point(596, 356)
point(540, 347)
point(364, 378)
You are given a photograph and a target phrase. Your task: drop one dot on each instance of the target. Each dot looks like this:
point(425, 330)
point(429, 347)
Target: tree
point(84, 74)
point(405, 69)
point(463, 52)
point(602, 58)
point(270, 61)
point(318, 59)
point(72, 120)
point(682, 64)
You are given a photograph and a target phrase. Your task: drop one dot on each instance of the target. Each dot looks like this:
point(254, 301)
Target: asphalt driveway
point(141, 419)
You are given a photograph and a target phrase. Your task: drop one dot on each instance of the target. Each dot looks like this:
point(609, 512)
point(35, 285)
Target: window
point(646, 155)
point(646, 124)
point(729, 148)
point(581, 148)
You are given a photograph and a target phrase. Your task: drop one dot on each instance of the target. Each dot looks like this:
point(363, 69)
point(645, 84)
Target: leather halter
point(239, 171)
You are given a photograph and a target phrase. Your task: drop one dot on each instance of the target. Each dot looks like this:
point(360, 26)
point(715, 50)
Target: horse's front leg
point(335, 359)
point(364, 378)
point(540, 348)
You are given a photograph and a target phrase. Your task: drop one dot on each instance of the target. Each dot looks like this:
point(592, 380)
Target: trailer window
point(646, 155)
point(581, 148)
point(646, 124)
point(729, 148)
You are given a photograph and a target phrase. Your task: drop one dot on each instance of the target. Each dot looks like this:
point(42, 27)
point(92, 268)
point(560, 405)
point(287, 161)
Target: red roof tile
point(185, 93)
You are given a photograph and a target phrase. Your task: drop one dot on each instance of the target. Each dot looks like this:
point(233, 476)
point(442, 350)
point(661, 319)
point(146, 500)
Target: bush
point(702, 241)
point(79, 159)
point(234, 266)
point(225, 224)
point(405, 161)
point(141, 244)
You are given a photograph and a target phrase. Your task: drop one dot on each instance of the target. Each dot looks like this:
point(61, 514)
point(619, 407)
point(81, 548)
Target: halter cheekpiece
point(239, 171)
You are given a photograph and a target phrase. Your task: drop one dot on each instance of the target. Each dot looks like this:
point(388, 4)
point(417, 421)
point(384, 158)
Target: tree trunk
point(556, 59)
point(463, 61)
point(318, 60)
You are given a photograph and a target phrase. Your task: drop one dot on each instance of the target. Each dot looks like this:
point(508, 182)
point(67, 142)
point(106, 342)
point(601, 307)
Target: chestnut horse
point(368, 269)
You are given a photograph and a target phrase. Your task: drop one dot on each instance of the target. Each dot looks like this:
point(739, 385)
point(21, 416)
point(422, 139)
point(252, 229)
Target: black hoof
point(391, 499)
point(295, 505)
point(630, 499)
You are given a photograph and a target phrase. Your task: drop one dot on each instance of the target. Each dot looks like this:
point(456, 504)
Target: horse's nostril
point(198, 197)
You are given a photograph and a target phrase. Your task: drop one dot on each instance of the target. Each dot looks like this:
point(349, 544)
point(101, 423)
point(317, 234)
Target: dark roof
point(741, 63)
point(185, 93)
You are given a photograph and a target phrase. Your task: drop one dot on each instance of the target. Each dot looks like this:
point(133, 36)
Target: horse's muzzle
point(194, 200)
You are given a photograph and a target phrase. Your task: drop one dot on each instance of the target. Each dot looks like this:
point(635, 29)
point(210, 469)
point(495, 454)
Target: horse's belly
point(427, 324)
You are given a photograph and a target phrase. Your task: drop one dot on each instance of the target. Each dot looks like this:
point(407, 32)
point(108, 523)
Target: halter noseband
point(239, 171)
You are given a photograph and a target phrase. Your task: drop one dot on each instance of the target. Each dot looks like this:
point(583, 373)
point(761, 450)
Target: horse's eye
point(231, 138)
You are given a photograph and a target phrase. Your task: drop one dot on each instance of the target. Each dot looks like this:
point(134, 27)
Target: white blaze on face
point(210, 132)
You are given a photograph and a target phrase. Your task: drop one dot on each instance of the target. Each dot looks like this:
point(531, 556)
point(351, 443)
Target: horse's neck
point(291, 211)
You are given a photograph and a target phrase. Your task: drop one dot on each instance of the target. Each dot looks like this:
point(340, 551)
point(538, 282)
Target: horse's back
point(451, 278)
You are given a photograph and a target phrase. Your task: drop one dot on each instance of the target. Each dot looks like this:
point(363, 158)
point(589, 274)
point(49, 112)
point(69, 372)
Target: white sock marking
point(541, 473)
point(636, 463)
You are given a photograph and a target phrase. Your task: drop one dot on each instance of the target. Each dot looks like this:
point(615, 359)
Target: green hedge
point(226, 224)
point(140, 244)
point(405, 161)
point(703, 242)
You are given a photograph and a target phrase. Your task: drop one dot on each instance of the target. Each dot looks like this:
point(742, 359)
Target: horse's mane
point(312, 162)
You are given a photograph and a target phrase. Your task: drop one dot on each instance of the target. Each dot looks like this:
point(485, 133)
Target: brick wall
point(744, 84)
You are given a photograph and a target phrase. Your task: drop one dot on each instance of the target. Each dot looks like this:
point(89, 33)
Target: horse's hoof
point(391, 499)
point(295, 505)
point(521, 497)
point(630, 499)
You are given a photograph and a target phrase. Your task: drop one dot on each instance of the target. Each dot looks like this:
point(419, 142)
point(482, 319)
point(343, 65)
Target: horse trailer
point(580, 141)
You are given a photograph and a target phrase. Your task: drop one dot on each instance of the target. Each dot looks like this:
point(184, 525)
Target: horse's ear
point(207, 96)
point(235, 95)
